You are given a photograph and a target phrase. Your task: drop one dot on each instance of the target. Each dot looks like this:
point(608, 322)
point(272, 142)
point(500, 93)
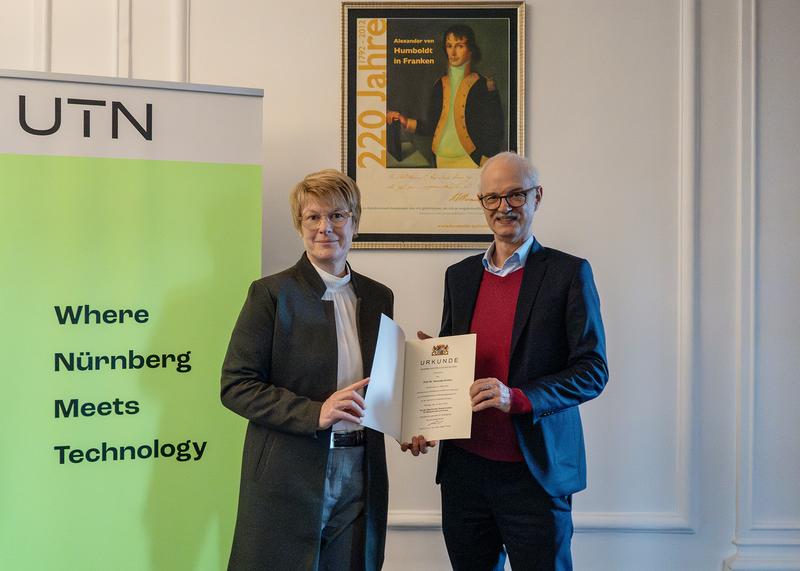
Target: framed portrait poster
point(430, 92)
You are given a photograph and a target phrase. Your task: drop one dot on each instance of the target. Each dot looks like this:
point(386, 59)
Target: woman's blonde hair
point(330, 186)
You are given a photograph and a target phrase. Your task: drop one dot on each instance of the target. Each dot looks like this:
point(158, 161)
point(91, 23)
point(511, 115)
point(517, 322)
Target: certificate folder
point(420, 387)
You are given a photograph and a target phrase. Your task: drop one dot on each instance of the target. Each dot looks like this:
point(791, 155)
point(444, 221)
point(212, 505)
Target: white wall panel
point(605, 133)
point(776, 496)
point(768, 487)
point(714, 482)
point(25, 35)
point(84, 37)
point(159, 39)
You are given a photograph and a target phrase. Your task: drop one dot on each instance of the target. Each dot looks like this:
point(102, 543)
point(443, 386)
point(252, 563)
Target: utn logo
point(117, 109)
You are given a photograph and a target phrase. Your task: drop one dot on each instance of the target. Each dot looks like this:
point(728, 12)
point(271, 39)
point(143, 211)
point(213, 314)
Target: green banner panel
point(121, 281)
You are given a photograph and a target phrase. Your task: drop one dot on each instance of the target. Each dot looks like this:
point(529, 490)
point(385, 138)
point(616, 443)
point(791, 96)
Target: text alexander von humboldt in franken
point(85, 362)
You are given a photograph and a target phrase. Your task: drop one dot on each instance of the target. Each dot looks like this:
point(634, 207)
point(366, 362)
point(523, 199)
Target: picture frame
point(429, 92)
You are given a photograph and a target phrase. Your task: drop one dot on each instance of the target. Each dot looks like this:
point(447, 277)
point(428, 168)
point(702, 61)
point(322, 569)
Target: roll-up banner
point(130, 228)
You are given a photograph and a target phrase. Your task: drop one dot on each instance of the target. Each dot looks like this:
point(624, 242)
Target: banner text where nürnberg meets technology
point(130, 228)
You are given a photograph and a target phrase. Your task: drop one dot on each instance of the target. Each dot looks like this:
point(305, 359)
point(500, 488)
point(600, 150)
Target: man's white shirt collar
point(514, 262)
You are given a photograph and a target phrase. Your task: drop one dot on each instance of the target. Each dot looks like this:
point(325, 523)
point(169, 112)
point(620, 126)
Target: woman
point(314, 489)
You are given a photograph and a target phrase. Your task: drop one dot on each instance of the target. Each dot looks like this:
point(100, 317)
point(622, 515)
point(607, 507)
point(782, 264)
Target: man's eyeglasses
point(514, 199)
point(337, 219)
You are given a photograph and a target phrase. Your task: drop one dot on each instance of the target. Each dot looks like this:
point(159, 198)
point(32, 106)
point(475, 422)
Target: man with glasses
point(540, 353)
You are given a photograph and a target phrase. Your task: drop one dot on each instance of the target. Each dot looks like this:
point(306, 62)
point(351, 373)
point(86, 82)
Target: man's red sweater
point(493, 435)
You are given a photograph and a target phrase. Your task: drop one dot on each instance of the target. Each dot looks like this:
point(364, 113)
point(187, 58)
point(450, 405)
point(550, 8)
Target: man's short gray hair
point(530, 175)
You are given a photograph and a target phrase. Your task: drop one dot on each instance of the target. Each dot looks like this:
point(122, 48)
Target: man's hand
point(418, 445)
point(392, 116)
point(490, 393)
point(344, 404)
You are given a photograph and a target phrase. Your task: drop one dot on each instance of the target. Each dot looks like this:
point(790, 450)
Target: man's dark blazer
point(558, 357)
point(280, 366)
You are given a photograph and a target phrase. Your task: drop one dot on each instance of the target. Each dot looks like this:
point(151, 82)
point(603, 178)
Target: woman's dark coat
point(280, 366)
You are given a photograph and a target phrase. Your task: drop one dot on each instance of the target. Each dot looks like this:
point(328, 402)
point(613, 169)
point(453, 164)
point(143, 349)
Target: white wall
point(768, 467)
point(635, 108)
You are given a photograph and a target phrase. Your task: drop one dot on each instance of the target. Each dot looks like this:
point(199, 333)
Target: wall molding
point(42, 57)
point(777, 525)
point(685, 515)
point(415, 520)
point(764, 555)
point(763, 545)
point(182, 18)
point(124, 38)
point(585, 522)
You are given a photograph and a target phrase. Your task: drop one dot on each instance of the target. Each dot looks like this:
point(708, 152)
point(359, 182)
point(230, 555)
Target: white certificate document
point(420, 386)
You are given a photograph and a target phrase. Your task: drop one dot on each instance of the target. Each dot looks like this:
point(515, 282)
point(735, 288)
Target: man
point(540, 353)
point(464, 115)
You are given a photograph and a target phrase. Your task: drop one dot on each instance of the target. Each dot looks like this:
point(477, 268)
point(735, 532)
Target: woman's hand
point(345, 404)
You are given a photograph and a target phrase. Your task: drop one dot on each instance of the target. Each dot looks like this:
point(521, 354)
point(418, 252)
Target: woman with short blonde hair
point(314, 491)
